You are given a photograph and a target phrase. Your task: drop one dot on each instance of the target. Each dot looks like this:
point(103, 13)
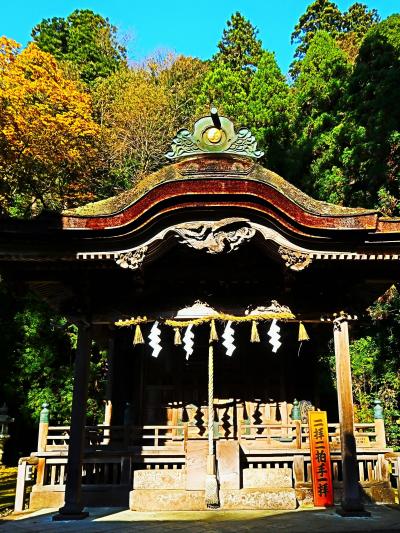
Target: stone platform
point(191, 500)
point(182, 490)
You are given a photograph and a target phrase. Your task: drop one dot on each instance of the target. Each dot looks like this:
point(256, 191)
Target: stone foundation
point(259, 499)
point(41, 497)
point(46, 496)
point(267, 478)
point(159, 479)
point(378, 492)
point(167, 500)
point(381, 492)
point(194, 500)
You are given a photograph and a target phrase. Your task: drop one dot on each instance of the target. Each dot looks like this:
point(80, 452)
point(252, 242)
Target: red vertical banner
point(321, 468)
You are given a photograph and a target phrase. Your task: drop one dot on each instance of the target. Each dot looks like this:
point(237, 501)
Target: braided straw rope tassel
point(211, 488)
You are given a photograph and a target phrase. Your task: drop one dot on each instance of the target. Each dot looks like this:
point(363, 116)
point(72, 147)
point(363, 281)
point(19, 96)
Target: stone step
point(194, 500)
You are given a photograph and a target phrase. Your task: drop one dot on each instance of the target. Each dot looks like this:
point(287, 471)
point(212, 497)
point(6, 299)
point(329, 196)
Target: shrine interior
point(253, 374)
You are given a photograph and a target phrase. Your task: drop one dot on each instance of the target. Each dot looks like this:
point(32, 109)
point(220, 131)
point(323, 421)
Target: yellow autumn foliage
point(48, 138)
point(141, 108)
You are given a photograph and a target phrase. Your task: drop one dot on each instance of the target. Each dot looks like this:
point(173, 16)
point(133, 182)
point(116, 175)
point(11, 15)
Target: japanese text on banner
point(320, 459)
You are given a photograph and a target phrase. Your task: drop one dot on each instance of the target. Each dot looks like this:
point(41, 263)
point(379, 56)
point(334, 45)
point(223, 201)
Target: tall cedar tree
point(347, 28)
point(269, 111)
point(84, 39)
point(227, 84)
point(318, 93)
point(320, 15)
point(373, 117)
point(246, 84)
point(239, 48)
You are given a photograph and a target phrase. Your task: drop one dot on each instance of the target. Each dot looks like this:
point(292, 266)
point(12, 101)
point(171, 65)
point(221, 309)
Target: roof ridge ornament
point(215, 135)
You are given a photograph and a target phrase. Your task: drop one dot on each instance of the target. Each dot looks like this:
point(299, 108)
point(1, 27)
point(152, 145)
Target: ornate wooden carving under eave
point(133, 259)
point(215, 237)
point(295, 260)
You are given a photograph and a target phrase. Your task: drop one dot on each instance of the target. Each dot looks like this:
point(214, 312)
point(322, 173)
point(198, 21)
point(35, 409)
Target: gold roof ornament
point(215, 135)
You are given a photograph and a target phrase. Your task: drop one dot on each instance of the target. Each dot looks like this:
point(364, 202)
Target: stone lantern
point(5, 420)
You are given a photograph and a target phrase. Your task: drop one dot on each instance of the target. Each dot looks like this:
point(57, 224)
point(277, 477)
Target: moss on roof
point(175, 172)
point(317, 207)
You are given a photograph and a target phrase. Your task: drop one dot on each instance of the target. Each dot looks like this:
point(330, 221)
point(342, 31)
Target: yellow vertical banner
point(321, 468)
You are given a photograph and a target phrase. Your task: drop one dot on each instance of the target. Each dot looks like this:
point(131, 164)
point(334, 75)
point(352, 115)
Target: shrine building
point(214, 285)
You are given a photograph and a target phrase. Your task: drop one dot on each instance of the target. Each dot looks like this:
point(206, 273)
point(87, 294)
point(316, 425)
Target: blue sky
point(187, 27)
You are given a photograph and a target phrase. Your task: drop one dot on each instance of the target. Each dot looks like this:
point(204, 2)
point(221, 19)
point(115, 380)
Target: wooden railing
point(101, 436)
point(295, 435)
point(366, 435)
point(371, 467)
point(114, 452)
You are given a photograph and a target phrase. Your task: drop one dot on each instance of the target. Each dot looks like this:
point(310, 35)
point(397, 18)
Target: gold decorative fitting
point(214, 134)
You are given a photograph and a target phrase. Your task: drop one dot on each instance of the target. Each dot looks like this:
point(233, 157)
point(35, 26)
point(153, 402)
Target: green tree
point(38, 352)
point(269, 111)
point(227, 83)
point(44, 363)
point(358, 19)
point(246, 85)
point(375, 364)
point(37, 357)
point(348, 28)
point(239, 48)
point(318, 93)
point(225, 89)
point(320, 15)
point(372, 162)
point(84, 39)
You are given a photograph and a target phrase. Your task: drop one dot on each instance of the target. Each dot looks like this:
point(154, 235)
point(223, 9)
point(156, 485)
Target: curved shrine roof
point(214, 197)
point(208, 168)
point(218, 176)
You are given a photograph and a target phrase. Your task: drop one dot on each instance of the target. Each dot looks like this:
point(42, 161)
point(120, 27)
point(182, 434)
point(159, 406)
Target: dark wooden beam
point(351, 504)
point(73, 506)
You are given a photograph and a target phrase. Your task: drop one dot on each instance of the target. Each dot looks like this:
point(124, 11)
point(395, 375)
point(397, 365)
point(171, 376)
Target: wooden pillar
point(351, 504)
point(73, 506)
